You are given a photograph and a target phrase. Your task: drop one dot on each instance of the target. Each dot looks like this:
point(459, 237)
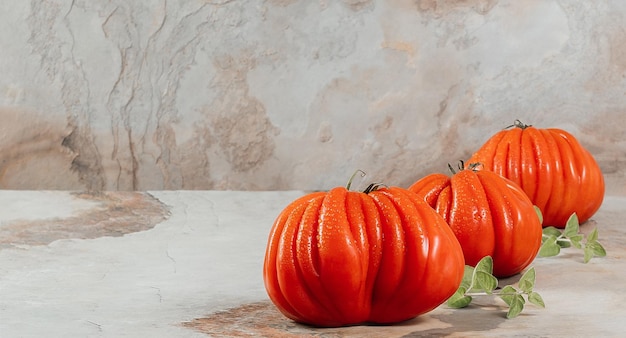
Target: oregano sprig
point(479, 281)
point(554, 239)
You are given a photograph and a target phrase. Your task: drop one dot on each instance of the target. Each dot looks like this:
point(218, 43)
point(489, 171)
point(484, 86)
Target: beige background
point(264, 95)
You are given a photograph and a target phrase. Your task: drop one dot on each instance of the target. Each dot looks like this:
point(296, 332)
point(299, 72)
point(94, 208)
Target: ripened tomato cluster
point(389, 254)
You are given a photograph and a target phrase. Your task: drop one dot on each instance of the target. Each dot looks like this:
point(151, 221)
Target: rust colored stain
point(120, 213)
point(259, 319)
point(262, 319)
point(31, 148)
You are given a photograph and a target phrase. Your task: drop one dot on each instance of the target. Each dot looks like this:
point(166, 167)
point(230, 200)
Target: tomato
point(559, 176)
point(343, 257)
point(489, 214)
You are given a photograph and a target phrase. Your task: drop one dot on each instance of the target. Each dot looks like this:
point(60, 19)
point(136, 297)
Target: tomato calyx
point(370, 188)
point(374, 187)
point(519, 124)
point(472, 166)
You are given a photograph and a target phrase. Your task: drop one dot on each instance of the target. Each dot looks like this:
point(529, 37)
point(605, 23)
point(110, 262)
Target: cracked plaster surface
point(225, 95)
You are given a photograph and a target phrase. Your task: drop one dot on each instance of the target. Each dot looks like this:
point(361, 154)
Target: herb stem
point(494, 293)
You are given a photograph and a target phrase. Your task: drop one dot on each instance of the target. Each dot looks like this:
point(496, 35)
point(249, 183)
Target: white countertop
point(189, 264)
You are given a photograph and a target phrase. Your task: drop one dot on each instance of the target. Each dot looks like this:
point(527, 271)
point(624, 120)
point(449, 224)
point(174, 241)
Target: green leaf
point(576, 241)
point(598, 249)
point(577, 238)
point(593, 235)
point(466, 282)
point(539, 214)
point(549, 248)
point(508, 294)
point(459, 299)
point(551, 231)
point(571, 227)
point(536, 299)
point(482, 279)
point(552, 240)
point(516, 307)
point(485, 281)
point(479, 281)
point(593, 249)
point(563, 243)
point(485, 265)
point(527, 281)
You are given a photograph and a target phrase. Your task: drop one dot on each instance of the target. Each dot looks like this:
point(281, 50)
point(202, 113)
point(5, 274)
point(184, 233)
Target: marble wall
point(294, 94)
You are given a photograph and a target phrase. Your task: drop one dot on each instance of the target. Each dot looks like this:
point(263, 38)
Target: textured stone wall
point(287, 94)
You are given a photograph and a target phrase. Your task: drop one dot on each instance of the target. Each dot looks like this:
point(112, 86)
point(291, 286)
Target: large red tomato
point(556, 172)
point(490, 216)
point(343, 257)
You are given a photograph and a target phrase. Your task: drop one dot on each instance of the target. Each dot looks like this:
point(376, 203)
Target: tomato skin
point(490, 216)
point(341, 258)
point(556, 172)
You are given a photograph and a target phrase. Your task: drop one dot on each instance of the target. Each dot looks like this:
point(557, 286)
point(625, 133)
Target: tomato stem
point(451, 169)
point(373, 187)
point(474, 166)
point(353, 176)
point(519, 124)
point(471, 166)
point(370, 188)
point(461, 166)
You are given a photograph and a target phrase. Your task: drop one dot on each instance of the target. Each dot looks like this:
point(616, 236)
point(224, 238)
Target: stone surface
point(295, 95)
point(105, 214)
point(193, 269)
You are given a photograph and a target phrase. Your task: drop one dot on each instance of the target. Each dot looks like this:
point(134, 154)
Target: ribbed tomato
point(343, 257)
point(490, 216)
point(551, 166)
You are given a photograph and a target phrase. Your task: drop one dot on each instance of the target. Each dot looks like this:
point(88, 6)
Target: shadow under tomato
point(466, 321)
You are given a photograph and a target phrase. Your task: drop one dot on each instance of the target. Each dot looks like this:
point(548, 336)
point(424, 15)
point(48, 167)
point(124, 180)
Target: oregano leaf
point(596, 249)
point(527, 281)
point(516, 307)
point(466, 282)
point(459, 299)
point(536, 299)
point(563, 243)
point(485, 265)
point(551, 231)
point(485, 281)
point(479, 281)
point(593, 235)
point(508, 294)
point(460, 302)
point(576, 241)
point(572, 226)
point(549, 248)
point(552, 240)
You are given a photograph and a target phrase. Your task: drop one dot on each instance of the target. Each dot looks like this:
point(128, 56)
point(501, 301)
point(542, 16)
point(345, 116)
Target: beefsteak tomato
point(559, 176)
point(489, 214)
point(343, 257)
